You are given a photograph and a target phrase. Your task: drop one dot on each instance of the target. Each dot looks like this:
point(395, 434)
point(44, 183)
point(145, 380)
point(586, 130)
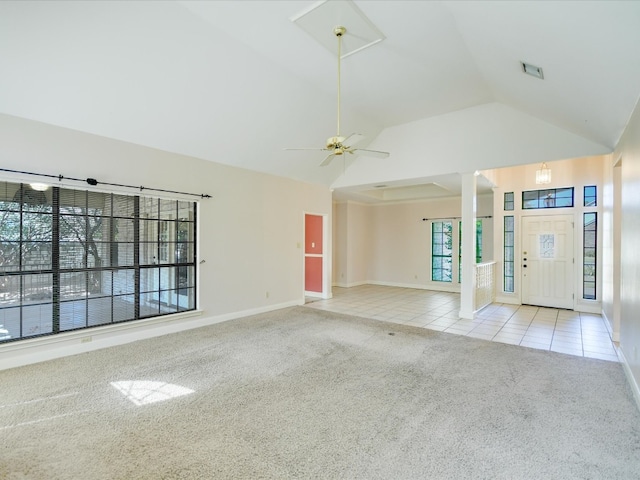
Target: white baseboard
point(508, 299)
point(34, 350)
point(615, 336)
point(467, 315)
point(607, 324)
point(349, 285)
point(595, 308)
point(633, 384)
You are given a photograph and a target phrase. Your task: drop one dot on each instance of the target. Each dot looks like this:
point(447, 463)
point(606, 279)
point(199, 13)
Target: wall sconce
point(543, 175)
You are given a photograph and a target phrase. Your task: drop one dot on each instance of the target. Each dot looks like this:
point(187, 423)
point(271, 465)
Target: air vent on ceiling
point(532, 70)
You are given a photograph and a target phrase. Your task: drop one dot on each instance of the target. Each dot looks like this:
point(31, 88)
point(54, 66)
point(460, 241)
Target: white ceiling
point(235, 82)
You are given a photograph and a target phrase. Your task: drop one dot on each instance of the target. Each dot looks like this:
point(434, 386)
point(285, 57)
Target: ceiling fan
point(339, 145)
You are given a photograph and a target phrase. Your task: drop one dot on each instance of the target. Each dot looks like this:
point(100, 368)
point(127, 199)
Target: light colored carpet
point(302, 393)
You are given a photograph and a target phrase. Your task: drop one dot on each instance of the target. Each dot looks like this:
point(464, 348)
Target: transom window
point(590, 196)
point(549, 198)
point(72, 259)
point(509, 201)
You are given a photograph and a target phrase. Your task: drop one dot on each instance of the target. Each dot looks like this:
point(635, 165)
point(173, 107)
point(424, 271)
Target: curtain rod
point(453, 218)
point(94, 182)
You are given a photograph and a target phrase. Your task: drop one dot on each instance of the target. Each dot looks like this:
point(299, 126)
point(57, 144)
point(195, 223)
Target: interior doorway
point(314, 255)
point(547, 261)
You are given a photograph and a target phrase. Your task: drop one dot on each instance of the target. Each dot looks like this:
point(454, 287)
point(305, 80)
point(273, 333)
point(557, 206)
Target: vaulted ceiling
point(236, 82)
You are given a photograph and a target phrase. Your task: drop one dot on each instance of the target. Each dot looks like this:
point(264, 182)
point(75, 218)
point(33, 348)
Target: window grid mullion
point(136, 256)
point(55, 259)
point(63, 273)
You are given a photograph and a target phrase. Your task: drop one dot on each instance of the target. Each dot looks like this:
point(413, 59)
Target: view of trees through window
point(72, 259)
point(442, 249)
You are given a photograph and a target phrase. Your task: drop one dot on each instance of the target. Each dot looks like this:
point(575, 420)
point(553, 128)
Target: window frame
point(590, 199)
point(547, 198)
point(509, 201)
point(96, 261)
point(508, 254)
point(590, 229)
point(441, 257)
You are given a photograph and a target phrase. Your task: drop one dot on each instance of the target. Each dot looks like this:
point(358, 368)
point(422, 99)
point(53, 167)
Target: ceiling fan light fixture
point(339, 145)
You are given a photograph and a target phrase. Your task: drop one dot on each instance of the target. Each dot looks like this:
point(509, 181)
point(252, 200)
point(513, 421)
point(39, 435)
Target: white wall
point(611, 244)
point(352, 244)
point(339, 243)
point(359, 242)
point(478, 138)
point(250, 232)
point(628, 150)
point(389, 244)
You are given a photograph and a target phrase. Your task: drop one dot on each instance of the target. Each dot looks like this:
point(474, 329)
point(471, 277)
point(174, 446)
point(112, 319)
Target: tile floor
point(563, 331)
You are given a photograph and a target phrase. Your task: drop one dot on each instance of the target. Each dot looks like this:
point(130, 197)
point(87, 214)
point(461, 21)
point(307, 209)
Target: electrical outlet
point(86, 339)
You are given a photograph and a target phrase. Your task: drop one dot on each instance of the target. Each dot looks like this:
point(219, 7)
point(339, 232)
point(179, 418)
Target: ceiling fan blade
point(352, 139)
point(371, 153)
point(327, 160)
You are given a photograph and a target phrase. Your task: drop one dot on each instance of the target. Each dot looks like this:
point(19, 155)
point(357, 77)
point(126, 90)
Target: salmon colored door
point(313, 253)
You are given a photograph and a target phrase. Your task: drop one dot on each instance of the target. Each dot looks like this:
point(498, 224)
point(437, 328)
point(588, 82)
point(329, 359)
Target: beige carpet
point(302, 393)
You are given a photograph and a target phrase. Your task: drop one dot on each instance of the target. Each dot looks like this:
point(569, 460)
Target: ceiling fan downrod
point(339, 31)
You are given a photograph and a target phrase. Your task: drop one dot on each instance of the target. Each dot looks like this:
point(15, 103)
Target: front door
point(547, 261)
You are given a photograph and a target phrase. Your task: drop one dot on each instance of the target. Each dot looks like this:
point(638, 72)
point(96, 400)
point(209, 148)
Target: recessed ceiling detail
point(410, 192)
point(319, 20)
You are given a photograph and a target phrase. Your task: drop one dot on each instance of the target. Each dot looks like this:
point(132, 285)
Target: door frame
point(574, 245)
point(326, 256)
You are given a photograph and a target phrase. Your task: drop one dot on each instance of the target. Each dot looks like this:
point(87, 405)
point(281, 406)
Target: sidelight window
point(589, 255)
point(509, 254)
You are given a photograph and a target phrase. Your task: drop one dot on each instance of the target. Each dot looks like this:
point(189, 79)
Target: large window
point(444, 250)
point(441, 251)
point(72, 259)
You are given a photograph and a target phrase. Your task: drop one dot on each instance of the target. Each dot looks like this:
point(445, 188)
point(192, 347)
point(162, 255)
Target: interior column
point(468, 286)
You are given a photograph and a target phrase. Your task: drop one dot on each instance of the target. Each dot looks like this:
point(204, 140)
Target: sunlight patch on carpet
point(144, 392)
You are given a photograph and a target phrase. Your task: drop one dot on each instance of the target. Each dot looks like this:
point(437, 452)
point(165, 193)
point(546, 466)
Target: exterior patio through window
point(73, 259)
